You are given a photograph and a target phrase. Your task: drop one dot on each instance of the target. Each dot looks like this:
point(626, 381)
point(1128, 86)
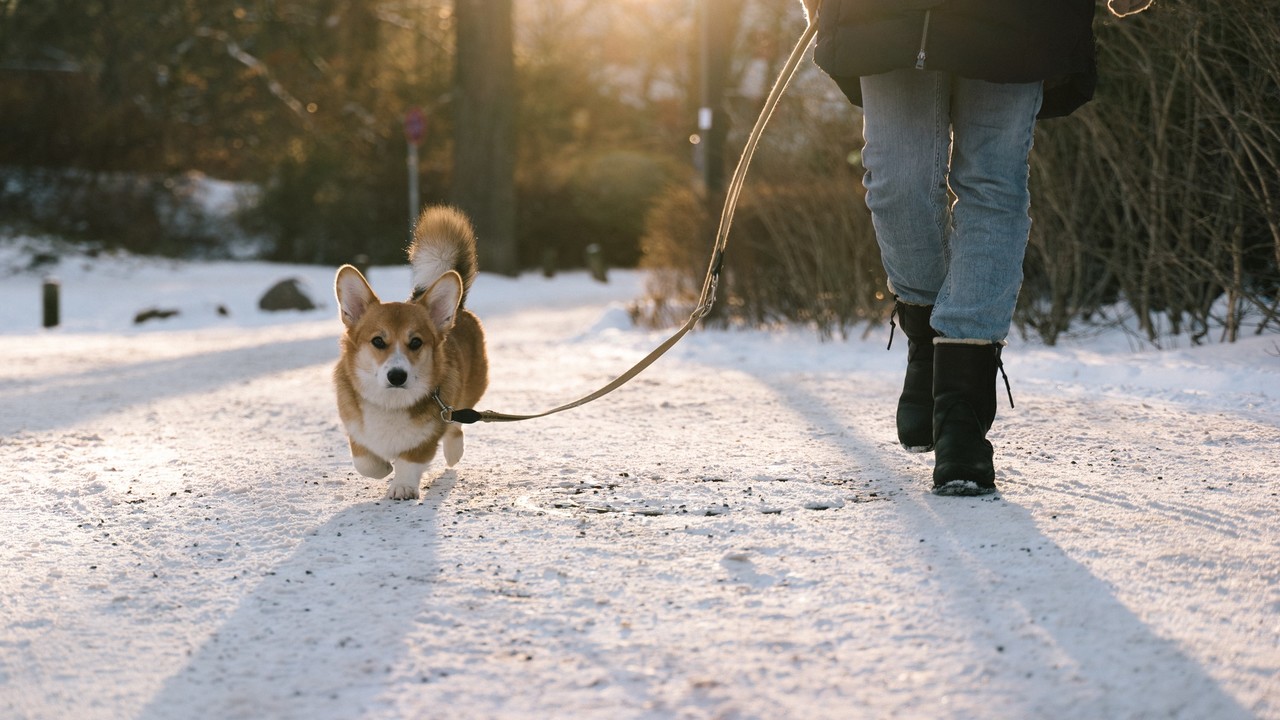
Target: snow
point(734, 534)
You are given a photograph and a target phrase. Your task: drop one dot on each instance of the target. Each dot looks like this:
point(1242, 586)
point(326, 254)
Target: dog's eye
point(379, 343)
point(415, 343)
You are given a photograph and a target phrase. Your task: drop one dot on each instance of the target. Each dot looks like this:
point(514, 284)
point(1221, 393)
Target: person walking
point(951, 91)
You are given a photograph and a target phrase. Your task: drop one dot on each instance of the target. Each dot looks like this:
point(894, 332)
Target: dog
point(404, 365)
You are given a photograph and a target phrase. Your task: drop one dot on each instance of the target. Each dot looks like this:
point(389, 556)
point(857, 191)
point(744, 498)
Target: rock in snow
point(287, 294)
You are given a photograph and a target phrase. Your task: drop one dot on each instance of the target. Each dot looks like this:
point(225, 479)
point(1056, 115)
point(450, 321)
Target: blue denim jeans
point(929, 132)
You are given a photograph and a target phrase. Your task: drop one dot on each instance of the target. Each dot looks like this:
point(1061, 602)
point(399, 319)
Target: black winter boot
point(915, 405)
point(964, 406)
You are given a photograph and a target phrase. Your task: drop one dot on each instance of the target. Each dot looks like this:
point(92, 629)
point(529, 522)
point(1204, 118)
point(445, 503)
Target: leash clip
point(704, 309)
point(446, 411)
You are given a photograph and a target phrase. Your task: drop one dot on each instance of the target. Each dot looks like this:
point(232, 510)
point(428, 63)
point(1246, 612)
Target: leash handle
point(712, 281)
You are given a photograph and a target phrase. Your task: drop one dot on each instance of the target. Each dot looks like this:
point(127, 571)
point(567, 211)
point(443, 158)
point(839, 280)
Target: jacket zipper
point(924, 40)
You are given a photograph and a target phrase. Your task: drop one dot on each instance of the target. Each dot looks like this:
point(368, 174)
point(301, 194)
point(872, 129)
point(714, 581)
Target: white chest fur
point(387, 432)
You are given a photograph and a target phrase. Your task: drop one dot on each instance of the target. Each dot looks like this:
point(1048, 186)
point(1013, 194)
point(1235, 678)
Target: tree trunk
point(484, 153)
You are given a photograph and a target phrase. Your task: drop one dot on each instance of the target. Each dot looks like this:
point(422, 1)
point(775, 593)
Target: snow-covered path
point(733, 535)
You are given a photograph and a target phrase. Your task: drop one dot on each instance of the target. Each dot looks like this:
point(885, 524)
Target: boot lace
point(1007, 388)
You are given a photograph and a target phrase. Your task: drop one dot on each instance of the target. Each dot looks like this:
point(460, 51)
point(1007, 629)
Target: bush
point(676, 244)
point(1165, 191)
point(329, 204)
point(797, 253)
point(599, 199)
point(150, 214)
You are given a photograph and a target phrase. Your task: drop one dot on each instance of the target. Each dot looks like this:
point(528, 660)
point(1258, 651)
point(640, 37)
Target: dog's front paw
point(400, 490)
point(370, 466)
point(453, 446)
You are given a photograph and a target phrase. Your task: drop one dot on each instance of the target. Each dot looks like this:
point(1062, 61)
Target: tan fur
point(426, 343)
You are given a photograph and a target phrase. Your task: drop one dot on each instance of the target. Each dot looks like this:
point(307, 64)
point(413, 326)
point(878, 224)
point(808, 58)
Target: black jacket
point(994, 40)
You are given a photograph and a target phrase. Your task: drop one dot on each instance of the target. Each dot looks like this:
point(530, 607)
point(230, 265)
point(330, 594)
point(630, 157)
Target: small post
point(550, 260)
point(596, 262)
point(50, 305)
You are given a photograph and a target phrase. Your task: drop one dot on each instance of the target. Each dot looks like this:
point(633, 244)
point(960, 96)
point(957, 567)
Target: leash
point(707, 299)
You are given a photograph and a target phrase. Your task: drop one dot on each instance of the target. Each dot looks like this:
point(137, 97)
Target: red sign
point(415, 125)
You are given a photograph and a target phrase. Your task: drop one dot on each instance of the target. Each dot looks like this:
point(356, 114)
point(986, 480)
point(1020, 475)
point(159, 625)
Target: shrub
point(599, 199)
point(327, 206)
point(143, 213)
point(797, 253)
point(1165, 191)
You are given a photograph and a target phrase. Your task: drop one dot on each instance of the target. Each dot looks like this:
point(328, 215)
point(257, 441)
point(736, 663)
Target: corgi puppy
point(402, 364)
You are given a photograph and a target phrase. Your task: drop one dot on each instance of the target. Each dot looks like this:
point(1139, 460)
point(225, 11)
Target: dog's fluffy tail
point(442, 241)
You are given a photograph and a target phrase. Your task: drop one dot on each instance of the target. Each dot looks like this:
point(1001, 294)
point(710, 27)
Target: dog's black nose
point(396, 376)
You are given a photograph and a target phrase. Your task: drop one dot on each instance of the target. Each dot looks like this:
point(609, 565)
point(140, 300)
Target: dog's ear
point(354, 294)
point(442, 300)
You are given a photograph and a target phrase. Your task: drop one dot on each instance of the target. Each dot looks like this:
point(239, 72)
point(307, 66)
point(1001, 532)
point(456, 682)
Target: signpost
point(415, 125)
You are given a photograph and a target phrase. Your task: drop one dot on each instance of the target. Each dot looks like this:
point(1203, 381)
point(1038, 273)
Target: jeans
point(926, 133)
